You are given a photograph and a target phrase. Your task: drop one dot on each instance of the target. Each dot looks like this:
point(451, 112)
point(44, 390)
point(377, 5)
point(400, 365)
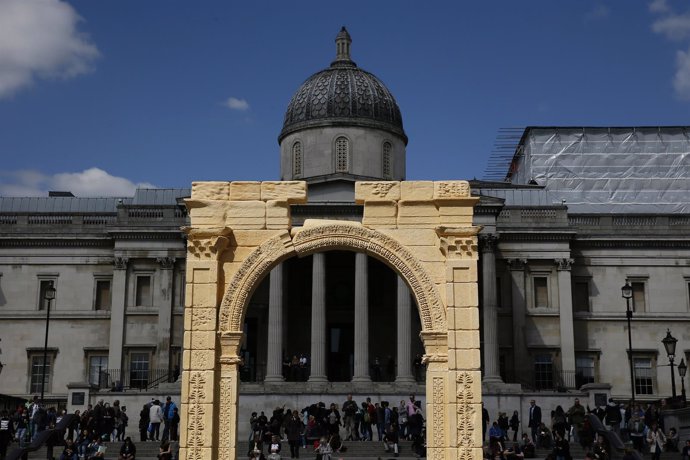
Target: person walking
point(155, 419)
point(515, 424)
point(534, 419)
point(655, 440)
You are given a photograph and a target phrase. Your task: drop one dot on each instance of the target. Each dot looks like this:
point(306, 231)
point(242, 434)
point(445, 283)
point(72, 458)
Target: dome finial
point(342, 47)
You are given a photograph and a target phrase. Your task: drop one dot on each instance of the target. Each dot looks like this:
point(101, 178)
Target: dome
point(343, 95)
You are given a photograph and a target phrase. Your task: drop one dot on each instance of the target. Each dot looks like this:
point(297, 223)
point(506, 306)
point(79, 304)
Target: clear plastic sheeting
point(608, 170)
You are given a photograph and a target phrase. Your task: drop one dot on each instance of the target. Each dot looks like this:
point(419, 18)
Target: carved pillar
point(438, 397)
point(404, 329)
point(117, 313)
point(165, 296)
point(492, 373)
point(361, 319)
point(318, 319)
point(517, 273)
point(274, 359)
point(565, 302)
point(228, 389)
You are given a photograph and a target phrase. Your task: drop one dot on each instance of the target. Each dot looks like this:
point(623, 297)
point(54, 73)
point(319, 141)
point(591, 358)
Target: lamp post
point(682, 369)
point(48, 295)
point(626, 292)
point(670, 345)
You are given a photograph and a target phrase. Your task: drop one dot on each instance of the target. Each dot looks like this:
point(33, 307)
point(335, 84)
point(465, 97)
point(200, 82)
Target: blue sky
point(100, 96)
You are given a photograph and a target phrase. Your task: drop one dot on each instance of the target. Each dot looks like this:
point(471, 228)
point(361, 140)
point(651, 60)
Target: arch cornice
point(325, 237)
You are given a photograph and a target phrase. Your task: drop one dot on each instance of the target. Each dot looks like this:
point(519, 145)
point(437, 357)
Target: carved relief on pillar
point(458, 243)
point(167, 263)
point(466, 412)
point(207, 243)
point(225, 417)
point(516, 264)
point(439, 416)
point(564, 264)
point(488, 242)
point(120, 263)
point(196, 413)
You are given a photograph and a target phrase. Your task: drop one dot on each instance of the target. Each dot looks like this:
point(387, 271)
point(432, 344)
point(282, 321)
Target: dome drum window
point(297, 159)
point(342, 153)
point(386, 160)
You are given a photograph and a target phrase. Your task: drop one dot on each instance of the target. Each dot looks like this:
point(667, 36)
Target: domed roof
point(343, 95)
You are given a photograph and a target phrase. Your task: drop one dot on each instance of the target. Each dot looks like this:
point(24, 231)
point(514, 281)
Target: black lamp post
point(626, 292)
point(670, 345)
point(682, 369)
point(48, 295)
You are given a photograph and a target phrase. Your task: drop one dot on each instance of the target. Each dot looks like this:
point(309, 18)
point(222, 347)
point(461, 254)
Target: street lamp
point(682, 369)
point(48, 295)
point(627, 293)
point(670, 345)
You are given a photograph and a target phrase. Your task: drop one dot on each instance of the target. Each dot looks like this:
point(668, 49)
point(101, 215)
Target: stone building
point(580, 212)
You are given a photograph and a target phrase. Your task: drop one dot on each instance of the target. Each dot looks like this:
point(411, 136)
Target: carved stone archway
point(240, 230)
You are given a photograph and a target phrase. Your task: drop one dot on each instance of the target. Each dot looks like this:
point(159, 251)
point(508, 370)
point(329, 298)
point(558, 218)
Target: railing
point(130, 379)
point(50, 219)
point(556, 380)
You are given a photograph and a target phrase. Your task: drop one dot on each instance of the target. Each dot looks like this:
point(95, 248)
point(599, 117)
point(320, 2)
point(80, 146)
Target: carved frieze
point(207, 243)
point(195, 416)
point(465, 427)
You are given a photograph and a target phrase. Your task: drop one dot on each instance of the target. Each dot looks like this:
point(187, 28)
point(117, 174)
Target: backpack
point(367, 418)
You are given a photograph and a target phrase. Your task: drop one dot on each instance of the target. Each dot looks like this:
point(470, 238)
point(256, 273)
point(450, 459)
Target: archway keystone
point(241, 230)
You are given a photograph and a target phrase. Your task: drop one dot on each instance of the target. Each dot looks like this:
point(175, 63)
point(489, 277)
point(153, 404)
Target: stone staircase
point(145, 451)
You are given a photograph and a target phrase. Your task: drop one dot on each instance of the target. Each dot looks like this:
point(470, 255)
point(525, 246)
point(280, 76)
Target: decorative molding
point(516, 264)
point(465, 427)
point(167, 263)
point(225, 417)
point(207, 243)
point(195, 416)
point(439, 416)
point(120, 263)
point(564, 264)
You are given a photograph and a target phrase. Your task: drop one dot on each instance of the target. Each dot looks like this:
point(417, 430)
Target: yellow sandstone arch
point(240, 230)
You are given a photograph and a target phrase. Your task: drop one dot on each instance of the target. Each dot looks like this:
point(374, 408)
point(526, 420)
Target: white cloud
point(598, 12)
point(681, 80)
point(236, 104)
point(659, 6)
point(90, 182)
point(39, 38)
point(674, 27)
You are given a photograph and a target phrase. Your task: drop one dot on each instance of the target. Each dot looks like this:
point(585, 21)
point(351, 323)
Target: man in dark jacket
point(613, 417)
point(534, 419)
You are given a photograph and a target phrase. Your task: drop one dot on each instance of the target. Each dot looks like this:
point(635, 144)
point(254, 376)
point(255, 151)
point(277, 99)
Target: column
point(117, 315)
point(404, 329)
point(361, 319)
point(318, 319)
point(492, 372)
point(165, 297)
point(274, 357)
point(517, 273)
point(565, 302)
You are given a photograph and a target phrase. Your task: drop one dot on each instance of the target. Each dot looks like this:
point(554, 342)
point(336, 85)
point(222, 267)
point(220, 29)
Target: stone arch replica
point(240, 230)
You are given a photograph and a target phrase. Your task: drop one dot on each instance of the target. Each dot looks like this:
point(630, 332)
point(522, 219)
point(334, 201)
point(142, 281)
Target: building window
point(36, 363)
point(584, 370)
point(139, 368)
point(581, 295)
point(143, 291)
point(387, 147)
point(644, 382)
point(98, 371)
point(543, 372)
point(499, 293)
point(43, 284)
point(342, 154)
point(297, 159)
point(541, 291)
point(102, 296)
point(638, 298)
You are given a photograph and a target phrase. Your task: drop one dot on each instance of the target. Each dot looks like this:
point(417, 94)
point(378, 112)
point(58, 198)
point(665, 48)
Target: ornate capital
point(488, 242)
point(120, 263)
point(516, 264)
point(564, 264)
point(207, 243)
point(167, 263)
point(458, 243)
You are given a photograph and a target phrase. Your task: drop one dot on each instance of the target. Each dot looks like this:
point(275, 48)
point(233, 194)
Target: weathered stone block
point(380, 222)
point(463, 318)
point(210, 214)
point(204, 295)
point(203, 340)
point(465, 359)
point(199, 386)
point(427, 253)
point(377, 191)
point(463, 271)
point(417, 190)
point(253, 237)
point(245, 191)
point(291, 191)
point(417, 209)
point(202, 360)
point(459, 221)
point(203, 319)
point(465, 295)
point(277, 214)
point(210, 190)
point(246, 214)
point(464, 339)
point(413, 237)
point(451, 189)
point(373, 209)
point(456, 208)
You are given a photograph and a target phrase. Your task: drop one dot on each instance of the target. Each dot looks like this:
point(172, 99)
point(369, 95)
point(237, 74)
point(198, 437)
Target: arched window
point(297, 159)
point(386, 160)
point(342, 154)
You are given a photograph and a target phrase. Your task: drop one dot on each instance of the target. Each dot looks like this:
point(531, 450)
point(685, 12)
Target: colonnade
point(318, 363)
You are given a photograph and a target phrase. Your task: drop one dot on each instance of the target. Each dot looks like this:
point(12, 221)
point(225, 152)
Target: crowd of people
point(325, 428)
point(640, 425)
point(85, 434)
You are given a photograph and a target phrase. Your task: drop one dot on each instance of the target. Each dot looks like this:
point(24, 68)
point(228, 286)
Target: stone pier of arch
point(239, 231)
